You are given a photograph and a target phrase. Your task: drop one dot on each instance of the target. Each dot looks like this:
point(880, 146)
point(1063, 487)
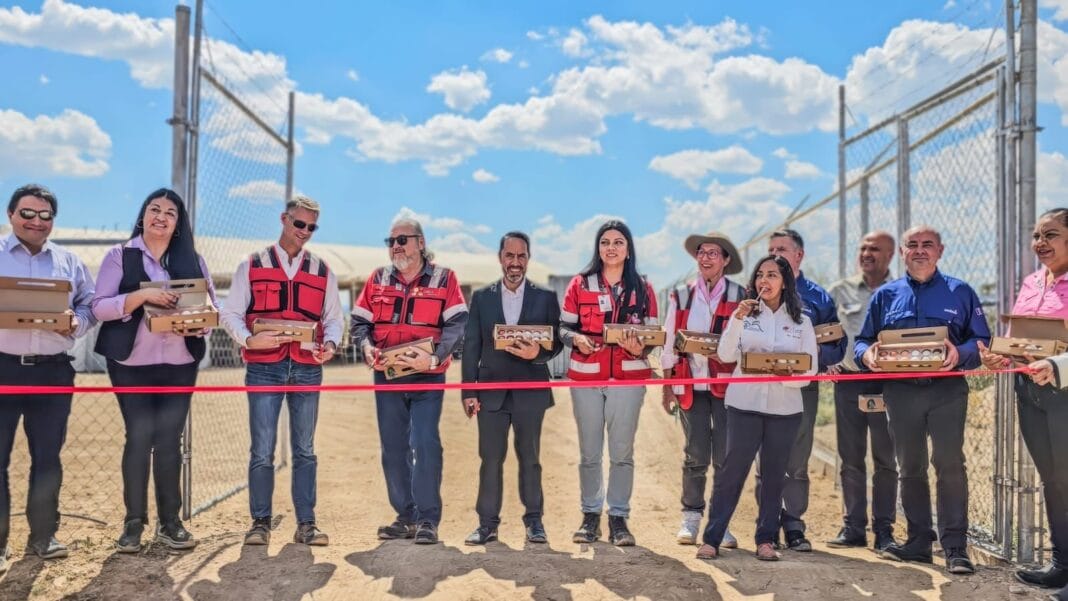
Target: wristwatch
point(433, 362)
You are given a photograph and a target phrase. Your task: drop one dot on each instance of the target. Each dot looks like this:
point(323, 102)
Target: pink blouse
point(1036, 299)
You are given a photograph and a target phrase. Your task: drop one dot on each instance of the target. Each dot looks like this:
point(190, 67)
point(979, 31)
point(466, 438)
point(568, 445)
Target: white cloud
point(523, 64)
point(566, 249)
point(949, 4)
point(574, 44)
point(448, 225)
point(353, 75)
point(484, 177)
point(1059, 8)
point(458, 242)
point(70, 144)
point(535, 36)
point(802, 170)
point(1051, 181)
point(261, 191)
point(782, 153)
point(497, 55)
point(691, 166)
point(43, 79)
point(463, 90)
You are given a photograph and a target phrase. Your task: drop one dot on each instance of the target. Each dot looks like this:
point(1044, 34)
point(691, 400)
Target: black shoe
point(848, 537)
point(426, 534)
point(536, 533)
point(1050, 576)
point(618, 533)
point(259, 533)
point(915, 549)
point(590, 530)
point(130, 541)
point(796, 541)
point(481, 536)
point(883, 540)
point(174, 536)
point(957, 561)
point(395, 530)
point(48, 549)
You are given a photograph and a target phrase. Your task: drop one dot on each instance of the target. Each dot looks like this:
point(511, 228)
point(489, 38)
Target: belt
point(38, 359)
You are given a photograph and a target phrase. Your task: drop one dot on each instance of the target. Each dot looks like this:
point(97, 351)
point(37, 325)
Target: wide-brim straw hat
point(695, 241)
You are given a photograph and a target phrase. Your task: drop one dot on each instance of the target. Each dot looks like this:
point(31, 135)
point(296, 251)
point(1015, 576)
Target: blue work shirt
point(940, 301)
point(820, 308)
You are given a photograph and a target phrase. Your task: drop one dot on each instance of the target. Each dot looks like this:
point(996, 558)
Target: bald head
point(874, 255)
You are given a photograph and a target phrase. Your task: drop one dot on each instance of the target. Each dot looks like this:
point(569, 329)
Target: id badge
point(605, 303)
point(871, 403)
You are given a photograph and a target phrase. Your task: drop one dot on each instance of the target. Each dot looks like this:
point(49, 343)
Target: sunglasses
point(45, 215)
point(304, 225)
point(401, 239)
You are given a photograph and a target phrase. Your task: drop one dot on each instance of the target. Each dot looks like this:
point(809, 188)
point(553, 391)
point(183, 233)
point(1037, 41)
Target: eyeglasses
point(708, 254)
point(304, 225)
point(45, 215)
point(401, 239)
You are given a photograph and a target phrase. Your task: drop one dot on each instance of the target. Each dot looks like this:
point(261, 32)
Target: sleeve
point(668, 358)
point(809, 347)
point(544, 356)
point(652, 312)
point(1060, 369)
point(207, 278)
point(362, 317)
point(472, 347)
point(455, 316)
point(107, 303)
point(333, 321)
point(569, 318)
point(730, 341)
point(869, 332)
point(975, 329)
point(232, 313)
point(830, 353)
point(84, 288)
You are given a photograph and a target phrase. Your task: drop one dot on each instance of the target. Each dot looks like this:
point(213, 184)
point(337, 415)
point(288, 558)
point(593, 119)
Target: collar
point(1043, 271)
point(857, 281)
point(284, 256)
point(11, 242)
point(916, 283)
point(518, 291)
point(139, 244)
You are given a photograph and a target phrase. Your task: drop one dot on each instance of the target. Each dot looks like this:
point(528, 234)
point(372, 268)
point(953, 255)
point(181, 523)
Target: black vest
point(116, 338)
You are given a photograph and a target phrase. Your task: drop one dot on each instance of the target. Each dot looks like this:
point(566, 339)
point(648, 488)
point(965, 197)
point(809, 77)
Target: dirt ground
point(352, 503)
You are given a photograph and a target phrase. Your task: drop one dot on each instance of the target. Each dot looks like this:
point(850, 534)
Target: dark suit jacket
point(482, 363)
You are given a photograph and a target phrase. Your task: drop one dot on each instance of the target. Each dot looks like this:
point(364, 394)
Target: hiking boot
point(309, 534)
point(130, 541)
point(396, 530)
point(590, 530)
point(260, 533)
point(481, 536)
point(426, 534)
point(536, 532)
point(48, 549)
point(957, 561)
point(174, 536)
point(618, 533)
point(691, 524)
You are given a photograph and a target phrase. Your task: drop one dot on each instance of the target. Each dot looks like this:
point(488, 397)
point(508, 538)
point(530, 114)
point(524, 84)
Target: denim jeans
point(263, 411)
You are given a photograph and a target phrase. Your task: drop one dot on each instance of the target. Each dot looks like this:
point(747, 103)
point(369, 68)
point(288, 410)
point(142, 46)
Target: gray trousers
point(705, 425)
point(616, 411)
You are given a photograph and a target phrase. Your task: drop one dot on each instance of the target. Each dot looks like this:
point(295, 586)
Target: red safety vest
point(683, 297)
point(275, 296)
point(403, 313)
point(611, 361)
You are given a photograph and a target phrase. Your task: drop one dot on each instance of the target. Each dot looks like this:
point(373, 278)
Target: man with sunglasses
point(38, 357)
point(408, 300)
point(284, 281)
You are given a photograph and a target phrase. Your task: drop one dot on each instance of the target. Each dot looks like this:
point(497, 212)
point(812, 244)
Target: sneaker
point(707, 552)
point(5, 563)
point(426, 534)
point(130, 541)
point(848, 537)
point(728, 542)
point(883, 540)
point(536, 533)
point(916, 549)
point(309, 534)
point(590, 530)
point(957, 561)
point(767, 552)
point(48, 549)
point(618, 533)
point(796, 541)
point(691, 523)
point(1051, 576)
point(260, 533)
point(396, 530)
point(481, 536)
point(174, 536)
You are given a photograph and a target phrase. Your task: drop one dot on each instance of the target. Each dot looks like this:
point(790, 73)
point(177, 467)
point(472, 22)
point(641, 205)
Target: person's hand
point(267, 339)
point(833, 370)
point(669, 400)
point(372, 356)
point(992, 360)
point(745, 308)
point(415, 359)
point(73, 324)
point(471, 407)
point(324, 352)
point(524, 349)
point(870, 357)
point(952, 357)
point(159, 297)
point(585, 345)
point(1041, 372)
point(631, 343)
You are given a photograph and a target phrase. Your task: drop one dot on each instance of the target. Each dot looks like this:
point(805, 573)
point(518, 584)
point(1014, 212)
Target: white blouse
point(769, 332)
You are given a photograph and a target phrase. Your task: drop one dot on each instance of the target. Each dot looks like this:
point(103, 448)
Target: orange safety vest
point(611, 361)
point(683, 297)
point(275, 296)
point(406, 313)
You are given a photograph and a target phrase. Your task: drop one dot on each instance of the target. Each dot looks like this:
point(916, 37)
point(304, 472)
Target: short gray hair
point(302, 202)
point(917, 229)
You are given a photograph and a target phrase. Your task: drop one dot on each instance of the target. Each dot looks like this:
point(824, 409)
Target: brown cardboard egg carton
point(1039, 337)
point(299, 331)
point(35, 304)
point(764, 363)
point(912, 349)
point(389, 356)
point(695, 342)
point(193, 313)
point(648, 335)
point(505, 336)
point(829, 332)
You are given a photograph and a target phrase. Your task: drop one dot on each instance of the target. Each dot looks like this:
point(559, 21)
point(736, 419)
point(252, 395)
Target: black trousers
point(154, 425)
point(1043, 412)
point(44, 419)
point(749, 433)
point(935, 408)
point(796, 484)
point(705, 425)
point(852, 427)
point(493, 427)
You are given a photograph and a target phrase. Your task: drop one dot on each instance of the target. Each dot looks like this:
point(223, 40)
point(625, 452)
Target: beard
point(401, 262)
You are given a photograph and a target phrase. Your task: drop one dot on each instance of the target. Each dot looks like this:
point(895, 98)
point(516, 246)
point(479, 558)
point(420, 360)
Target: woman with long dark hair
point(1042, 399)
point(608, 291)
point(160, 248)
point(761, 418)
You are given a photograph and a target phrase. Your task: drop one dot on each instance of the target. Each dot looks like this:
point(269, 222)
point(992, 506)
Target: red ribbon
point(22, 390)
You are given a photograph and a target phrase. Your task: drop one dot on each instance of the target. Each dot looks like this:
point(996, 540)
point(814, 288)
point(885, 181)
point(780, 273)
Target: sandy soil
point(352, 503)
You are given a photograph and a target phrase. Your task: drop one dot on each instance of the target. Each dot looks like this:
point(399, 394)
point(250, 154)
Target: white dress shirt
point(512, 302)
point(702, 308)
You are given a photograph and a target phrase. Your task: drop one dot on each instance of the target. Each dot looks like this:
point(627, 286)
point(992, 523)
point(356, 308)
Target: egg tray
point(299, 331)
point(925, 356)
point(647, 335)
point(829, 332)
point(1020, 347)
point(764, 363)
point(694, 342)
point(389, 356)
point(505, 336)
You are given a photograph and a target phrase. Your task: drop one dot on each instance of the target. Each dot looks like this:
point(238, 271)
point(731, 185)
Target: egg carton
point(505, 336)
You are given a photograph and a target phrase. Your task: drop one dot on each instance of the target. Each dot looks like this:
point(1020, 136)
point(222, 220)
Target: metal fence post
point(290, 148)
point(904, 187)
point(842, 183)
point(865, 208)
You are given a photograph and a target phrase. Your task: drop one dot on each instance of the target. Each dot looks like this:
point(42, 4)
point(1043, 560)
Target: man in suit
point(511, 301)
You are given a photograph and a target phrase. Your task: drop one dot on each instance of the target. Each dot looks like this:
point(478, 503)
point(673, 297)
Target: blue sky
point(481, 117)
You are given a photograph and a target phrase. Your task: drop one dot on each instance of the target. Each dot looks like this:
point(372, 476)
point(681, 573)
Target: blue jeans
point(263, 410)
point(411, 448)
